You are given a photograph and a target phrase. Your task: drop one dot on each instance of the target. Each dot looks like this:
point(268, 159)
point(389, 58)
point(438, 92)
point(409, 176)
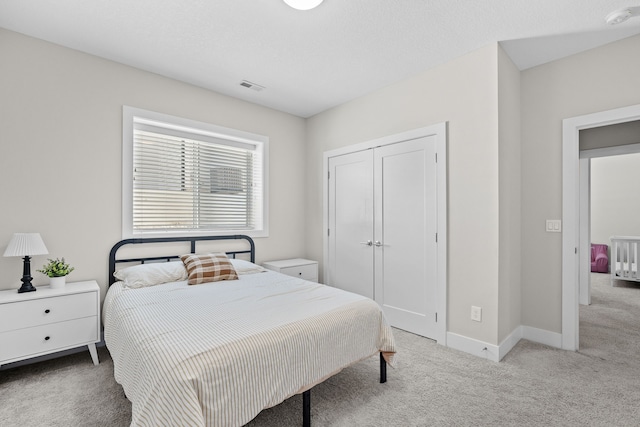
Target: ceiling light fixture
point(303, 4)
point(621, 15)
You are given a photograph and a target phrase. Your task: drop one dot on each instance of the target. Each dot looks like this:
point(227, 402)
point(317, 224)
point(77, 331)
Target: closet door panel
point(405, 227)
point(351, 223)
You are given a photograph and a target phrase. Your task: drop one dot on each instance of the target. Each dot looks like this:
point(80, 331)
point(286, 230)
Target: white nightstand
point(49, 320)
point(297, 267)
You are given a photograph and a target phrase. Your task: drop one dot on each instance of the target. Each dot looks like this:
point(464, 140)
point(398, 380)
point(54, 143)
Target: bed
point(218, 353)
point(624, 258)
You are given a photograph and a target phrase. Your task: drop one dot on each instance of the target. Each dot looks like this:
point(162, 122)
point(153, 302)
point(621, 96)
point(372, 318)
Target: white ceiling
point(310, 61)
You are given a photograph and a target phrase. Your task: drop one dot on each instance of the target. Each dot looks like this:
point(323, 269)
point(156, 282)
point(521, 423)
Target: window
point(182, 177)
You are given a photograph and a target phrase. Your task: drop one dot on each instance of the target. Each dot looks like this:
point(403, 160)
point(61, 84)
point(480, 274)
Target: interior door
point(405, 234)
point(350, 237)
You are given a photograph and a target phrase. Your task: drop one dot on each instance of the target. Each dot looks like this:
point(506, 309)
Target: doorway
point(617, 195)
point(575, 214)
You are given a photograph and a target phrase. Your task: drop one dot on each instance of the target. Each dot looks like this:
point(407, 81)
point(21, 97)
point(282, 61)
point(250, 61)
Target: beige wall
point(509, 298)
point(468, 101)
point(596, 80)
point(61, 148)
point(615, 197)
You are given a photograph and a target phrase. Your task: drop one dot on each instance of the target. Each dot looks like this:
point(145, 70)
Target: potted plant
point(57, 270)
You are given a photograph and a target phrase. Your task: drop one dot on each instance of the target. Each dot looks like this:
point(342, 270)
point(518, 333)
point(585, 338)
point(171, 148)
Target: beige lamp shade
point(26, 244)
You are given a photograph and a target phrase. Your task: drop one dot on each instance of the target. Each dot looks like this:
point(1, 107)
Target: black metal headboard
point(113, 260)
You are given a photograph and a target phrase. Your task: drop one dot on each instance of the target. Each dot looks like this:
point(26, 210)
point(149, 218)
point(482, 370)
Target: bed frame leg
point(306, 396)
point(383, 369)
point(306, 409)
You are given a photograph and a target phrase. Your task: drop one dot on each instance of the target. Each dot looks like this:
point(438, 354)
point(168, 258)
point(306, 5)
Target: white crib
point(624, 258)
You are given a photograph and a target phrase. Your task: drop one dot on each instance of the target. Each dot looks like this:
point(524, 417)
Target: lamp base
point(26, 276)
point(27, 287)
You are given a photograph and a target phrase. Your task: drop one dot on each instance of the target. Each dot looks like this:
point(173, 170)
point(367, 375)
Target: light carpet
point(534, 385)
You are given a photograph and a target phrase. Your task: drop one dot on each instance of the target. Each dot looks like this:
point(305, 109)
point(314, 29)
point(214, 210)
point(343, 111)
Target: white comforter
point(216, 354)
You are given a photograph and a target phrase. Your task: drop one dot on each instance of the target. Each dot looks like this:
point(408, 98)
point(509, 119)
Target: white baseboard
point(510, 341)
point(473, 346)
point(495, 353)
point(552, 339)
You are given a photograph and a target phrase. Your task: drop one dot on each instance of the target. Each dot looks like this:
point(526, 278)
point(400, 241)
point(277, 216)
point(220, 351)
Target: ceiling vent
point(251, 86)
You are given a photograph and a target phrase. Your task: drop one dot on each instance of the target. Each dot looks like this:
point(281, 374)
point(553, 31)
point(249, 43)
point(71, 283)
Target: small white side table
point(296, 267)
point(49, 320)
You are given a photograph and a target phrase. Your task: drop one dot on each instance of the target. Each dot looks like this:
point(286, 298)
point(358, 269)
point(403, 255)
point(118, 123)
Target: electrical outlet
point(476, 313)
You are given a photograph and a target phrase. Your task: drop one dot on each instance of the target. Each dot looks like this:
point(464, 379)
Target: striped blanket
point(217, 354)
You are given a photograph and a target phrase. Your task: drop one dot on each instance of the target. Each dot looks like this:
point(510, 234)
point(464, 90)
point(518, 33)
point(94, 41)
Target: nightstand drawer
point(43, 311)
point(306, 272)
point(43, 339)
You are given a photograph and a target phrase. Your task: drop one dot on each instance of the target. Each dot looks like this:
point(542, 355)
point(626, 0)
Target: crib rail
point(624, 258)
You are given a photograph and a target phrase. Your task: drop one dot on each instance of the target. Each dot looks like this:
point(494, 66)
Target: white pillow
point(245, 267)
point(139, 276)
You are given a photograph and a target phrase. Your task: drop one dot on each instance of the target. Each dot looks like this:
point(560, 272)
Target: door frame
point(439, 131)
point(574, 216)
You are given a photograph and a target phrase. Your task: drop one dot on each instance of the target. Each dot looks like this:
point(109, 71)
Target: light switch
point(554, 226)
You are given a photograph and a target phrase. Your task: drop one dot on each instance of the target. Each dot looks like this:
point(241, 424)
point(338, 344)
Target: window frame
point(129, 114)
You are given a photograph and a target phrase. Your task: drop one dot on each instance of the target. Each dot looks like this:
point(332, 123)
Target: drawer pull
point(47, 338)
point(47, 311)
point(300, 274)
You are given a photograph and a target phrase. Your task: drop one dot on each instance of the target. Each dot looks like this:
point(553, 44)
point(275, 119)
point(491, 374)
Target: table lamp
point(26, 245)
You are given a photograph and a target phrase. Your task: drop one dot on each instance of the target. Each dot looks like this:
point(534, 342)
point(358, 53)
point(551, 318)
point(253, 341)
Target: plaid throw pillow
point(208, 268)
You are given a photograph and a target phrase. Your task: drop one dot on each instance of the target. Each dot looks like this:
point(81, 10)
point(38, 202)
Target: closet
point(382, 208)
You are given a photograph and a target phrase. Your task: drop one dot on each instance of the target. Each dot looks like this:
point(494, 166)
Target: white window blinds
point(191, 180)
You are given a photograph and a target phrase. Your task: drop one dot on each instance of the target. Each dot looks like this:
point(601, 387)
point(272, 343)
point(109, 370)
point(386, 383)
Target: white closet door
point(351, 223)
point(405, 229)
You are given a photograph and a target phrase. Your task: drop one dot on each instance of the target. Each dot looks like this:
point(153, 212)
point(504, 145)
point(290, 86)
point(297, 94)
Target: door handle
point(378, 243)
point(368, 243)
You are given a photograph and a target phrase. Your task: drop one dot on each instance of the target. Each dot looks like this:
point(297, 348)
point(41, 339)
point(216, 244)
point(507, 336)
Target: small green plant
point(56, 268)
